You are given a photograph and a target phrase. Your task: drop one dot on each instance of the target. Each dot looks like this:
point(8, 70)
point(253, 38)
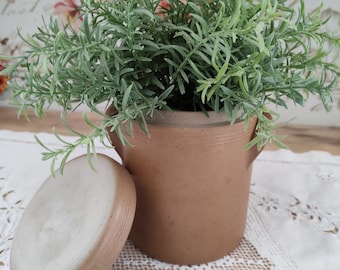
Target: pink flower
point(68, 12)
point(164, 7)
point(3, 81)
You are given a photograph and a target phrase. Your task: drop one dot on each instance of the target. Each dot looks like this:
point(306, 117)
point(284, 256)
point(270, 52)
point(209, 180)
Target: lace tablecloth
point(293, 217)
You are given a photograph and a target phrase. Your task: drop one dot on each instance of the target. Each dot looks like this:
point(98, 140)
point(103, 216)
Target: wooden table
point(299, 138)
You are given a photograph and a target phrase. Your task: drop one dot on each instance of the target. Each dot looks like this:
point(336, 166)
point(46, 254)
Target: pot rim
point(190, 119)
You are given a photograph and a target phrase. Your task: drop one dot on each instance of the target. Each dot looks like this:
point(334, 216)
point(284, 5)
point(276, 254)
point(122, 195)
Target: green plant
point(146, 55)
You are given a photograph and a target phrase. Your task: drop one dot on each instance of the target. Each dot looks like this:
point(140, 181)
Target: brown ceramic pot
point(192, 179)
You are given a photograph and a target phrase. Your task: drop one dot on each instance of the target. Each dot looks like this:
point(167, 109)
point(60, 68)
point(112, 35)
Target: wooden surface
point(299, 138)
point(9, 120)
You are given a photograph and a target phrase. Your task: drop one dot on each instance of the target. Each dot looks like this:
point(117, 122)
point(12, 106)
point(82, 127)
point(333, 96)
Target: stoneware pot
point(192, 179)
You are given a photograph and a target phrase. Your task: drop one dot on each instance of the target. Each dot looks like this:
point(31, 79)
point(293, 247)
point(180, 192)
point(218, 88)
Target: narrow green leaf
point(126, 97)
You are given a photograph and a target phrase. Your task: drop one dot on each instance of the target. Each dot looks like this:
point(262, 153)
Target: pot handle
point(114, 140)
point(254, 152)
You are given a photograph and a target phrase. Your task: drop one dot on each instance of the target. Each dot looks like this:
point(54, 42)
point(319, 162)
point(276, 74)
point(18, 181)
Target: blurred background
point(26, 15)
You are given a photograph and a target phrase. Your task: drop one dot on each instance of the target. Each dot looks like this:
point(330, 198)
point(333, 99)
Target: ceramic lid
point(78, 220)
